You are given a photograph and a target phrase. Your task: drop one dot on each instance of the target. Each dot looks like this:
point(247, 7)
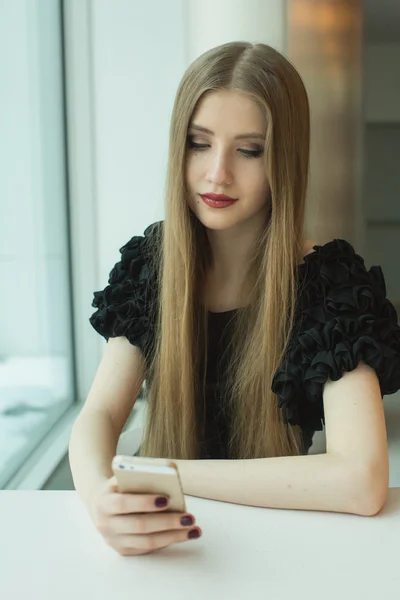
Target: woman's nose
point(219, 171)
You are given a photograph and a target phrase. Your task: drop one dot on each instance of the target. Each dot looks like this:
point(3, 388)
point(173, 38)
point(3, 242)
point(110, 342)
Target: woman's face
point(218, 162)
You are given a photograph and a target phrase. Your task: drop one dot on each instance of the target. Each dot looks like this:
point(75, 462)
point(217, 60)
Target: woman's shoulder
point(334, 276)
point(335, 252)
point(137, 243)
point(308, 247)
point(123, 306)
point(342, 317)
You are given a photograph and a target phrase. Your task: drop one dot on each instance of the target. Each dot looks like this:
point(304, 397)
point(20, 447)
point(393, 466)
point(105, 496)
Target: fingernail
point(187, 520)
point(195, 533)
point(161, 501)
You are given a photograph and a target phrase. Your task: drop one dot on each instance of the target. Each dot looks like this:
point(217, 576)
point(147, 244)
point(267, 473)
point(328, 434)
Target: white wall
point(138, 57)
point(210, 23)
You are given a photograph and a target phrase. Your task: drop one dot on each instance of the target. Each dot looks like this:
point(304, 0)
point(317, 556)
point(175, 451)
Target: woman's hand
point(135, 524)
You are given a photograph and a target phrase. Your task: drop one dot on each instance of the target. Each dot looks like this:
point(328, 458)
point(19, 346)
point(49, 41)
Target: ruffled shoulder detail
point(124, 306)
point(342, 317)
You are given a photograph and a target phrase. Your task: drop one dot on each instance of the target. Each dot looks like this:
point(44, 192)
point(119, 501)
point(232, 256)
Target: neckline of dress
point(300, 268)
point(225, 312)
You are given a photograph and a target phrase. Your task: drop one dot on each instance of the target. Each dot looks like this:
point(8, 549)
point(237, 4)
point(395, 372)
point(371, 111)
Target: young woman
point(250, 337)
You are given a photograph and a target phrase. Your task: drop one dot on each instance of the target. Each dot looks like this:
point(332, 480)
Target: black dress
point(342, 317)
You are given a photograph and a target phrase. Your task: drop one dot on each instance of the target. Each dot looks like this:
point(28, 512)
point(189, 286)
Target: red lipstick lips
point(217, 200)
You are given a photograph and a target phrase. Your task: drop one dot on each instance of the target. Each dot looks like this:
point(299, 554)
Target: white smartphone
point(142, 475)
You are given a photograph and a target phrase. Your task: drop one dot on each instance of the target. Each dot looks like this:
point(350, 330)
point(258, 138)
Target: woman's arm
point(92, 447)
point(96, 431)
point(352, 477)
point(316, 482)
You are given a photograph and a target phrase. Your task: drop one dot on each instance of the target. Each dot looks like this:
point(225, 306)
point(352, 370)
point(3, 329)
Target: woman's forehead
point(226, 109)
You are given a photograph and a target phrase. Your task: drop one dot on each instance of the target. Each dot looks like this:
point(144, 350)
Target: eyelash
point(246, 153)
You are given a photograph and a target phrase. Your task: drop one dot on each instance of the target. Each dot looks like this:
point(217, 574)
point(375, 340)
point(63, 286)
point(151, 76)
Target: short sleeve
point(343, 317)
point(124, 305)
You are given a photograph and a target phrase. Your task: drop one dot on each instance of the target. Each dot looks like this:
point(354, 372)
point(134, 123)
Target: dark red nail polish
point(195, 533)
point(161, 501)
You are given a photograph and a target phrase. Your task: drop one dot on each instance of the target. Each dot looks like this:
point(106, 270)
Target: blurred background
point(87, 88)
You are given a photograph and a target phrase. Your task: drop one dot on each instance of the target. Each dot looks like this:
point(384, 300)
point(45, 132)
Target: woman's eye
point(195, 146)
point(252, 153)
point(246, 153)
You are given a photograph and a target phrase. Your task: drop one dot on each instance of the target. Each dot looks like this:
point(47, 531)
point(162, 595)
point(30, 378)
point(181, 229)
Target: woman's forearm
point(92, 447)
point(316, 482)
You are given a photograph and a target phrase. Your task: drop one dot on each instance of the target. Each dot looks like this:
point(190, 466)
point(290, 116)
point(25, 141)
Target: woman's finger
point(126, 503)
point(150, 522)
point(155, 541)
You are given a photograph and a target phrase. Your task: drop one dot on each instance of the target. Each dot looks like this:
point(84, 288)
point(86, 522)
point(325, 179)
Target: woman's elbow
point(371, 489)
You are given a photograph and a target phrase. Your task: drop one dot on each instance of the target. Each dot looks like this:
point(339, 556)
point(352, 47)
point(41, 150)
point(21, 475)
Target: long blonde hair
point(260, 334)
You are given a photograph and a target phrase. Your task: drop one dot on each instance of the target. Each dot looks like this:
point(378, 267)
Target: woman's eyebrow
point(237, 137)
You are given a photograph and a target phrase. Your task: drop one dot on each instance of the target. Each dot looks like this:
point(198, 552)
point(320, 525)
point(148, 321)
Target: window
point(36, 356)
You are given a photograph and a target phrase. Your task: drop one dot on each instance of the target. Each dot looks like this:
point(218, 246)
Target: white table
point(49, 550)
